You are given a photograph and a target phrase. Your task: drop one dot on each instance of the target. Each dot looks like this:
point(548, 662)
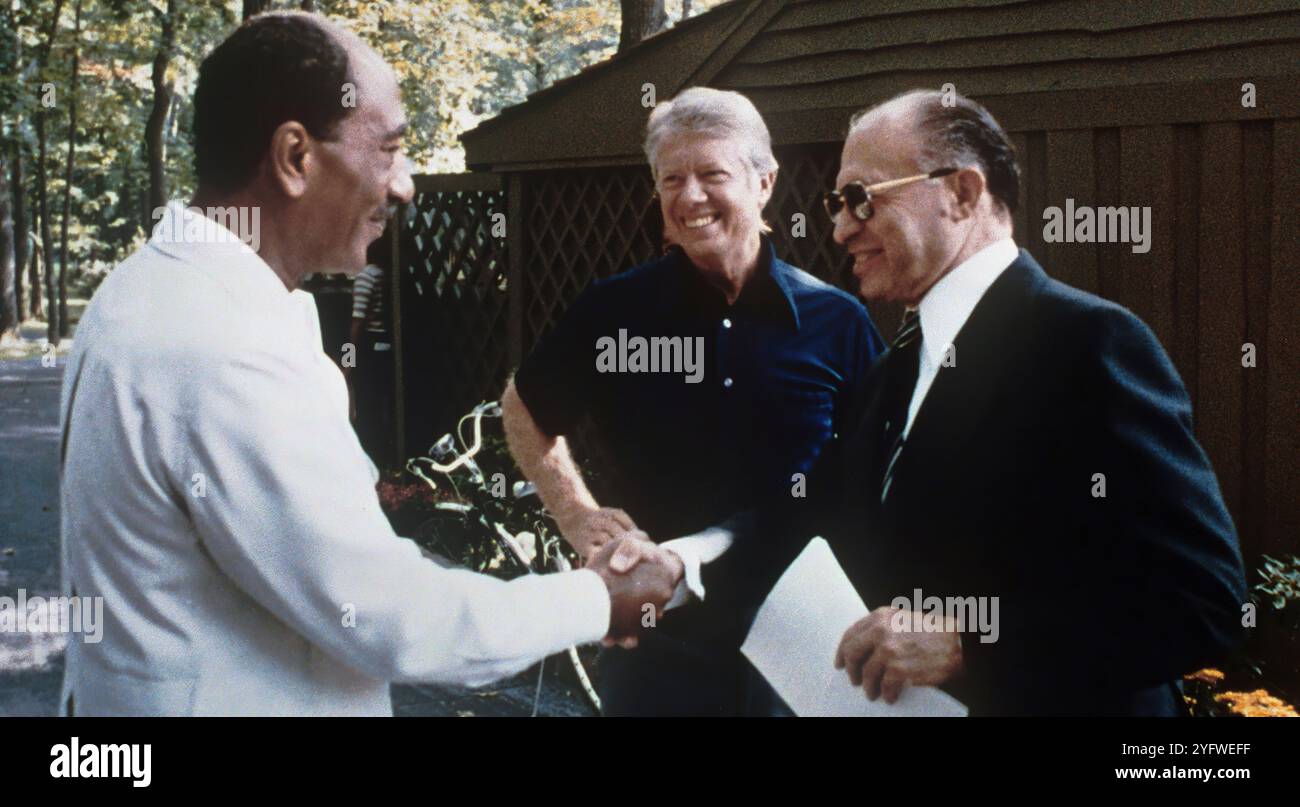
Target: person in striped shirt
point(370, 381)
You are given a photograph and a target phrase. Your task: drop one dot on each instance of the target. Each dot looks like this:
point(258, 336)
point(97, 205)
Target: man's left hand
point(881, 658)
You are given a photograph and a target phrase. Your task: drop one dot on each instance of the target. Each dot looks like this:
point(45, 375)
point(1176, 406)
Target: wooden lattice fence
point(582, 225)
point(451, 331)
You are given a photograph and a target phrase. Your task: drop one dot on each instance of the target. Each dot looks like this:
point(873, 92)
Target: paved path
point(31, 665)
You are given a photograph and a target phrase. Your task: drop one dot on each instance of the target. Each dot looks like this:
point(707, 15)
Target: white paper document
point(794, 638)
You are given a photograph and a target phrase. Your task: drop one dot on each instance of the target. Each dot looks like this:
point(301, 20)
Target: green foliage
point(459, 62)
point(110, 179)
point(1270, 656)
point(1280, 585)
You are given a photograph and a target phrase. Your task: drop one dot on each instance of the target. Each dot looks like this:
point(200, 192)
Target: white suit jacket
point(215, 495)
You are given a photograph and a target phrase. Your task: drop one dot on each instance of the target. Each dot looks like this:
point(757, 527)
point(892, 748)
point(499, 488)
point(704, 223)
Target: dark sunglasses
point(858, 196)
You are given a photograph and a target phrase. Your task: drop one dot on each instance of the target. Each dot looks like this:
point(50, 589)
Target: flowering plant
point(1271, 655)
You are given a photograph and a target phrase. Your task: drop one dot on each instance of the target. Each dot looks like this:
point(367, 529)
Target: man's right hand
point(639, 576)
point(590, 529)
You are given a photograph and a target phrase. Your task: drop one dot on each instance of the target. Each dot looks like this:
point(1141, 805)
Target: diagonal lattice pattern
point(582, 225)
point(454, 308)
point(806, 241)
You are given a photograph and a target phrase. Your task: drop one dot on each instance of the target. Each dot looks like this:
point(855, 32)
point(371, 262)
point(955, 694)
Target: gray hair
point(717, 113)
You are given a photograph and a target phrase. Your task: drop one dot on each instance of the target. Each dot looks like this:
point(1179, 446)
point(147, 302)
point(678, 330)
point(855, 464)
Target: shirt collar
point(187, 235)
point(782, 275)
point(770, 291)
point(948, 304)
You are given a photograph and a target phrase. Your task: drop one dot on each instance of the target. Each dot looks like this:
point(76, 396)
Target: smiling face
point(911, 240)
point(363, 174)
point(712, 199)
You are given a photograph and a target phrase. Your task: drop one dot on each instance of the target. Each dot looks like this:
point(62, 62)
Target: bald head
point(276, 67)
point(301, 120)
point(899, 111)
point(914, 233)
point(951, 129)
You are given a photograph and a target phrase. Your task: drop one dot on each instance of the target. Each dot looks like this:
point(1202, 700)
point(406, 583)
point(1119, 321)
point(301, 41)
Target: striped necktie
point(907, 356)
point(909, 330)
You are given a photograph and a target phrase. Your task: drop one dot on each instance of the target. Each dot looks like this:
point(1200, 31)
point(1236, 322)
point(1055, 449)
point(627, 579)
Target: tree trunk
point(686, 9)
point(127, 203)
point(9, 321)
point(255, 7)
point(16, 190)
point(35, 308)
point(42, 199)
point(641, 18)
point(47, 243)
point(20, 229)
point(36, 269)
point(154, 147)
point(67, 174)
point(537, 39)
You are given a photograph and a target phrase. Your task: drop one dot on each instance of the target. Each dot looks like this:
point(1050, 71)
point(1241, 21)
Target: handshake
point(641, 577)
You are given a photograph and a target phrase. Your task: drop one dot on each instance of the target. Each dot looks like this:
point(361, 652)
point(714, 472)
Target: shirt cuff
point(690, 584)
point(696, 550)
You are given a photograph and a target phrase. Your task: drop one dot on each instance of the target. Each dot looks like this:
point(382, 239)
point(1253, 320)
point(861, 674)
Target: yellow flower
point(1209, 676)
point(1256, 704)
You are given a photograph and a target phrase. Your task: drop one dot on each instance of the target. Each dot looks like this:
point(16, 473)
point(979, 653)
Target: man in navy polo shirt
point(716, 375)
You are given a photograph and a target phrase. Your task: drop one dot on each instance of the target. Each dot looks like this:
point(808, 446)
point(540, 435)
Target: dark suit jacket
point(1103, 601)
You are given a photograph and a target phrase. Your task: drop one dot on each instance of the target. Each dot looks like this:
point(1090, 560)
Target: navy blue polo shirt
point(707, 408)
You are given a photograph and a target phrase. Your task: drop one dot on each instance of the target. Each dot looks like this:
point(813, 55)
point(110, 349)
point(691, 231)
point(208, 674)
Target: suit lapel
point(987, 348)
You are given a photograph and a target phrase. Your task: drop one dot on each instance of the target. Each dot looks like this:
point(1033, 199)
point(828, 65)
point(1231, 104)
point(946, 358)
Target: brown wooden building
point(1189, 108)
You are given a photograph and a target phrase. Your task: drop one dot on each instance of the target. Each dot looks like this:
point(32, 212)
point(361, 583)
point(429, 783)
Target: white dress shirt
point(943, 311)
point(216, 497)
point(945, 308)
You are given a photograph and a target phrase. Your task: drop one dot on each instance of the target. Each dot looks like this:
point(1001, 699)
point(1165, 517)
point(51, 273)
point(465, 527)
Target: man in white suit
point(214, 493)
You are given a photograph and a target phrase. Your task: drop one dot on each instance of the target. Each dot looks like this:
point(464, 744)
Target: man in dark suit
point(1023, 443)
